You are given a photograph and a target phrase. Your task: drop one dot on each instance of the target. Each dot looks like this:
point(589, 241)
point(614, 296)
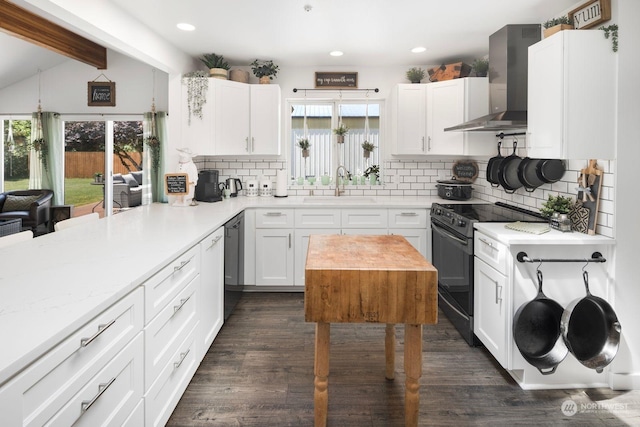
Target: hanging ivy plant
point(154, 147)
point(39, 145)
point(611, 30)
point(197, 83)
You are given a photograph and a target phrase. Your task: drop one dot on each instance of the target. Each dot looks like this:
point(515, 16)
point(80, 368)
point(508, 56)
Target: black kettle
point(235, 185)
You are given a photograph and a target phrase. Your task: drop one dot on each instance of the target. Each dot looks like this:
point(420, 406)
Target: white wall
point(63, 88)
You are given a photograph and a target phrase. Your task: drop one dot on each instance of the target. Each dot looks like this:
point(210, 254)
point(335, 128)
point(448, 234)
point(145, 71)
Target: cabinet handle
point(86, 404)
point(498, 293)
point(289, 240)
point(176, 308)
point(486, 242)
point(409, 214)
point(182, 264)
point(253, 141)
point(101, 328)
point(246, 144)
point(183, 356)
point(423, 143)
point(429, 144)
point(273, 214)
point(214, 241)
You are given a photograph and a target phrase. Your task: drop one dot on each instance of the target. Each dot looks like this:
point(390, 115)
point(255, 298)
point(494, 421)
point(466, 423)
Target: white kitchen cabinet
point(365, 218)
point(421, 112)
point(412, 224)
point(54, 386)
point(197, 133)
point(211, 298)
point(301, 244)
point(571, 97)
point(416, 236)
point(450, 103)
point(274, 257)
point(247, 119)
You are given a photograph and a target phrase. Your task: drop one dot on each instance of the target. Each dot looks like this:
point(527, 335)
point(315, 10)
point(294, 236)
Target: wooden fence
point(86, 164)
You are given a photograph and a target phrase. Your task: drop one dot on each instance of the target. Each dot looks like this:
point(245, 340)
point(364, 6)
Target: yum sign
point(591, 14)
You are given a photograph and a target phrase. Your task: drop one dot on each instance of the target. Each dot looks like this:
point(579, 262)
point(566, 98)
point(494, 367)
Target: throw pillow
point(130, 180)
point(18, 203)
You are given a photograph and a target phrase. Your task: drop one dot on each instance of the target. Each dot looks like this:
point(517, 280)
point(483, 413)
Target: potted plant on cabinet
point(415, 74)
point(340, 132)
point(481, 67)
point(367, 148)
point(304, 145)
point(554, 25)
point(265, 71)
point(218, 67)
point(557, 209)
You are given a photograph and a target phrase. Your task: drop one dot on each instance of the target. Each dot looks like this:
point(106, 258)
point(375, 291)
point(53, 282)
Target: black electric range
point(452, 254)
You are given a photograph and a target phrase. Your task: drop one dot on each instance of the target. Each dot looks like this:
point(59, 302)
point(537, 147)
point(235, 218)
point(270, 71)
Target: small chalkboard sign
point(101, 94)
point(176, 184)
point(465, 170)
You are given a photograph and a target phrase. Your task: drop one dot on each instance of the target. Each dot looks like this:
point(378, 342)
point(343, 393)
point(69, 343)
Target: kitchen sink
point(340, 199)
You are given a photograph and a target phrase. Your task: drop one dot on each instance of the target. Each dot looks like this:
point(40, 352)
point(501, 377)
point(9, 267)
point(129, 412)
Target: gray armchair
point(127, 190)
point(33, 207)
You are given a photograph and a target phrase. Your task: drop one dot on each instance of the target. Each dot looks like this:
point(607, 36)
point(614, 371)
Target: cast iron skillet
point(493, 165)
point(591, 330)
point(550, 170)
point(527, 174)
point(508, 171)
point(536, 331)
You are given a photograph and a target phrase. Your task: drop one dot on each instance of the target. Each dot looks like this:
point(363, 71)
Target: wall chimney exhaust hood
point(508, 62)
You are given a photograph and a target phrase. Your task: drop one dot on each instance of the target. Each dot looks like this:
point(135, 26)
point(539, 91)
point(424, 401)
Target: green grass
point(78, 191)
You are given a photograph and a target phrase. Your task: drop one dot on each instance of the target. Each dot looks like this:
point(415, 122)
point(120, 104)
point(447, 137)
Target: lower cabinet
point(416, 236)
point(302, 245)
point(274, 257)
point(211, 298)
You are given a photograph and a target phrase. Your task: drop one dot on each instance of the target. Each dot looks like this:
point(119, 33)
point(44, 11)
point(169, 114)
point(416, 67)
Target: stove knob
point(462, 223)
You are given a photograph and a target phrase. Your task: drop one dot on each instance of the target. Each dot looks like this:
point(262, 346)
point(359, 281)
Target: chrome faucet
point(338, 191)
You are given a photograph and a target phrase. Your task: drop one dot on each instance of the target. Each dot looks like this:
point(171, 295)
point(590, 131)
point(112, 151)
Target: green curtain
point(160, 131)
point(47, 170)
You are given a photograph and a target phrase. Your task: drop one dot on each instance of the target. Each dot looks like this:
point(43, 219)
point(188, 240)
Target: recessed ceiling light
point(185, 27)
point(418, 49)
point(336, 53)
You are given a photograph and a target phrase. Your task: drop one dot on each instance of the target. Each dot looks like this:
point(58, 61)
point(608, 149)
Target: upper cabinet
point(571, 96)
point(420, 113)
point(238, 119)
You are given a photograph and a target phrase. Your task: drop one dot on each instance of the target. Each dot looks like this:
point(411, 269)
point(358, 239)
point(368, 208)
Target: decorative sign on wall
point(101, 94)
point(591, 13)
point(336, 80)
point(465, 170)
point(176, 184)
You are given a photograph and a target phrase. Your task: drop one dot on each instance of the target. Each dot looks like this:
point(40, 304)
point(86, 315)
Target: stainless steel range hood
point(508, 62)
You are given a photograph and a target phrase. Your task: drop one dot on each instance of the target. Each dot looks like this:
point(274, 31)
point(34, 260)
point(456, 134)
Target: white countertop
point(52, 285)
point(498, 231)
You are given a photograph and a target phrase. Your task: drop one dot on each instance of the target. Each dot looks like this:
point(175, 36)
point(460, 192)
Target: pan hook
point(585, 277)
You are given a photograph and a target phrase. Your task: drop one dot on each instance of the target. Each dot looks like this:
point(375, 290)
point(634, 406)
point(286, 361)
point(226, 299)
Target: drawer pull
point(486, 242)
point(214, 241)
point(183, 356)
point(182, 264)
point(86, 404)
point(176, 308)
point(409, 214)
point(101, 328)
point(498, 293)
point(273, 214)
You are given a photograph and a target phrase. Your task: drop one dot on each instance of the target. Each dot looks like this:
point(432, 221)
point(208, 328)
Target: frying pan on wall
point(550, 170)
point(528, 175)
point(508, 171)
point(537, 333)
point(493, 165)
point(591, 330)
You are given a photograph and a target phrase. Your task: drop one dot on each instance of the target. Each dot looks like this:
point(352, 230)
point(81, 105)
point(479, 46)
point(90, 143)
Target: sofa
point(33, 207)
point(127, 190)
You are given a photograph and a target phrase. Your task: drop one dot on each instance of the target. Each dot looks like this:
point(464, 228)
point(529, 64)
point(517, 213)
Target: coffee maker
point(208, 188)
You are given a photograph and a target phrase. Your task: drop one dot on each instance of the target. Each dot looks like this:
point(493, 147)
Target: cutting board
point(595, 187)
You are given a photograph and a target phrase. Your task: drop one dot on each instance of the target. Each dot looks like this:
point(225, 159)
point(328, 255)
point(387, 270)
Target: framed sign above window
point(590, 14)
point(336, 80)
point(101, 94)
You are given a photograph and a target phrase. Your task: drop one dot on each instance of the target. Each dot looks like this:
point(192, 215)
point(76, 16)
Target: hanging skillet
point(494, 164)
point(536, 331)
point(550, 170)
point(527, 174)
point(591, 330)
point(508, 171)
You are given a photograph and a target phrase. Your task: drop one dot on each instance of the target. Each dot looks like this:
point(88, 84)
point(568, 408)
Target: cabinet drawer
point(166, 331)
point(110, 396)
point(364, 218)
point(491, 251)
point(317, 218)
point(35, 395)
point(407, 218)
point(164, 394)
point(274, 218)
point(165, 285)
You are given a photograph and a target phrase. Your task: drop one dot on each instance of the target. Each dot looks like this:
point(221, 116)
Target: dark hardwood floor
point(259, 372)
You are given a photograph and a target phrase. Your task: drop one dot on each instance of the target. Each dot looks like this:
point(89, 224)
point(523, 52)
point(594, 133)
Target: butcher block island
point(376, 279)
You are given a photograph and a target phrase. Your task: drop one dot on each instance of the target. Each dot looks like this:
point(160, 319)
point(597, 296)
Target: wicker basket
point(11, 226)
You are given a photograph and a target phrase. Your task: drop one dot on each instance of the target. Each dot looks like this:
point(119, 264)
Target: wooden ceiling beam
point(35, 29)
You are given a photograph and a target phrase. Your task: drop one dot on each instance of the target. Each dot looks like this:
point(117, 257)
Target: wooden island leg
point(321, 371)
point(413, 371)
point(390, 351)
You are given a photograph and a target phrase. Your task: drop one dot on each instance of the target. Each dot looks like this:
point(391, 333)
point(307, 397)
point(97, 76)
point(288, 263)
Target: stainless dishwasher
point(233, 263)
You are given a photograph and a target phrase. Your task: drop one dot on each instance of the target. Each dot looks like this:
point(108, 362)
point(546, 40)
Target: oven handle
point(451, 306)
point(449, 235)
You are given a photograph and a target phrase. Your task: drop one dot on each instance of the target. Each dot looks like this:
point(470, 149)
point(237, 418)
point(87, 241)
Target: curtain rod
point(337, 90)
point(76, 114)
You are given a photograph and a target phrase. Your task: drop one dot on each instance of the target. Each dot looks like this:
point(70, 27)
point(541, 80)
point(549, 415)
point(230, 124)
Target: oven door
point(453, 258)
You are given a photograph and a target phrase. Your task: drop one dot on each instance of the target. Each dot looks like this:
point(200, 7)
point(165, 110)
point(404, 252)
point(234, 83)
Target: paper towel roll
point(281, 183)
